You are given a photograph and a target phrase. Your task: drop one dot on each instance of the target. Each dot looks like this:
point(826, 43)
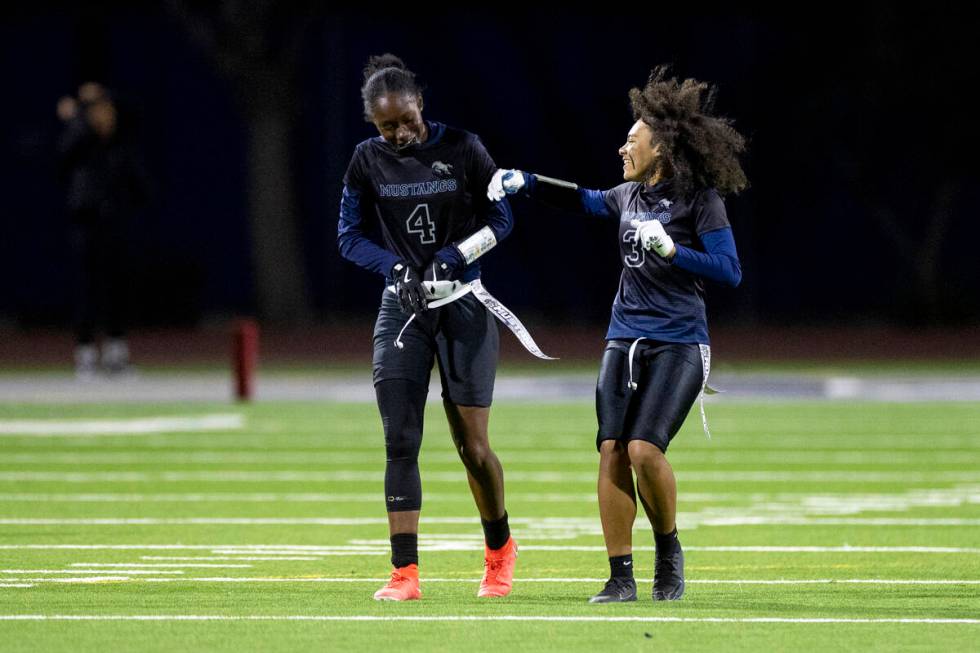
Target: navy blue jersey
point(413, 204)
point(658, 299)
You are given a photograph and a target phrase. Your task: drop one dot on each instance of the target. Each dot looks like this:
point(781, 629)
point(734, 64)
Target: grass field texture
point(806, 526)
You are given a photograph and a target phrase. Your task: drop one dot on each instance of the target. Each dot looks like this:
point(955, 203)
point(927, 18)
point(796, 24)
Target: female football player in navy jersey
point(414, 210)
point(679, 159)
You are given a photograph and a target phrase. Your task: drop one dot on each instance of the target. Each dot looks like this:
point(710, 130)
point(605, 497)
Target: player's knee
point(613, 457)
point(611, 449)
point(645, 453)
point(475, 456)
point(403, 444)
point(402, 404)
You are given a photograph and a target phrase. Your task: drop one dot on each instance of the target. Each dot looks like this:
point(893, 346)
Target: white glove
point(504, 182)
point(650, 234)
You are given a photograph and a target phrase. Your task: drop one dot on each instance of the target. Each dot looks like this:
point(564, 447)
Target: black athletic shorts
point(462, 336)
point(669, 377)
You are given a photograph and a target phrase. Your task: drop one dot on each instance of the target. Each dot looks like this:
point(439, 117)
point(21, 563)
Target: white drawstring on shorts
point(632, 383)
point(398, 340)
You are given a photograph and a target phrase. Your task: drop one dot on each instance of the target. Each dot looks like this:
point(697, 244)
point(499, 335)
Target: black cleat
point(668, 576)
point(617, 590)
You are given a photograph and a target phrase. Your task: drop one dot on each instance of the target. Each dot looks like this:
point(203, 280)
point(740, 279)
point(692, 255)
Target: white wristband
point(474, 246)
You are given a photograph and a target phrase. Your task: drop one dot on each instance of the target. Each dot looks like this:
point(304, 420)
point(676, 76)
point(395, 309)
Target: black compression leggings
point(402, 407)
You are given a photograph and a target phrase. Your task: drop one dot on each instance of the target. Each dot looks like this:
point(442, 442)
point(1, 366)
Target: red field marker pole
point(245, 354)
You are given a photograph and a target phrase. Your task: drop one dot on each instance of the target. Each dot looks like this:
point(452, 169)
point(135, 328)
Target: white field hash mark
point(420, 618)
point(136, 426)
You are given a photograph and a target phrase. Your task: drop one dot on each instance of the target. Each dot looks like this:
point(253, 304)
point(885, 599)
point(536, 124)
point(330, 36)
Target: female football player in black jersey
point(679, 159)
point(414, 210)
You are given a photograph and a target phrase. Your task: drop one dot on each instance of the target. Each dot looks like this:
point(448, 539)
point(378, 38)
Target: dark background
point(862, 125)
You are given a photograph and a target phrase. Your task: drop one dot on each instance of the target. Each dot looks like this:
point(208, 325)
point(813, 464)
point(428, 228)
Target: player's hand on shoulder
point(409, 288)
point(505, 182)
point(651, 235)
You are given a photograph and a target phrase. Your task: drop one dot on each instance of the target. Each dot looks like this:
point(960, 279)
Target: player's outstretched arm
point(561, 194)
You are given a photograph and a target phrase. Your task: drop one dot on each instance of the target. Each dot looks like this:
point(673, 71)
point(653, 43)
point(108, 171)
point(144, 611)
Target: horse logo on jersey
point(665, 203)
point(442, 170)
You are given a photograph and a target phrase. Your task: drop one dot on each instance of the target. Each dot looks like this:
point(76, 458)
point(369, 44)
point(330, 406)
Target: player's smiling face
point(398, 117)
point(640, 156)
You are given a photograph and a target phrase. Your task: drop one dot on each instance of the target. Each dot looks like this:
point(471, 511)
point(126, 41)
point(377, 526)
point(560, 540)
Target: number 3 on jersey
point(637, 254)
point(421, 223)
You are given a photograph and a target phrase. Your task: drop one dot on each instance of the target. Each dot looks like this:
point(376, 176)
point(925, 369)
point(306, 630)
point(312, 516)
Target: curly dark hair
point(700, 150)
point(385, 74)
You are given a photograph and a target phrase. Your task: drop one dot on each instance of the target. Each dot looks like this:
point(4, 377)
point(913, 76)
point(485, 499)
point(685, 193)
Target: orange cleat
point(403, 586)
point(498, 570)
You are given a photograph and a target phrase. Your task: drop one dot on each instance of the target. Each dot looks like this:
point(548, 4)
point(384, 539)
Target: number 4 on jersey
point(421, 223)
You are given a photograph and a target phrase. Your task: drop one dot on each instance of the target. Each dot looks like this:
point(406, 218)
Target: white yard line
point(823, 500)
point(354, 476)
point(733, 520)
point(339, 497)
point(245, 559)
point(136, 426)
point(130, 572)
point(494, 618)
point(81, 580)
point(344, 580)
point(261, 438)
point(106, 565)
point(777, 549)
point(329, 552)
point(312, 549)
point(872, 458)
point(821, 581)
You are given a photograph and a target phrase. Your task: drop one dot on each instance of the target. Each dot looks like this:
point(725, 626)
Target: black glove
point(408, 287)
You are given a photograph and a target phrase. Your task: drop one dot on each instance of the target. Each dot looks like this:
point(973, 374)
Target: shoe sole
point(491, 595)
point(676, 596)
point(391, 598)
point(610, 600)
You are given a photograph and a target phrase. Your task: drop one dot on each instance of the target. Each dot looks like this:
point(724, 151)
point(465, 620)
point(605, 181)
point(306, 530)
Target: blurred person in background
point(105, 185)
point(679, 160)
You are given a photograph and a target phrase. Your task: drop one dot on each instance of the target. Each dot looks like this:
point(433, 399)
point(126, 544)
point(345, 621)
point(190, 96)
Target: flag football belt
point(441, 293)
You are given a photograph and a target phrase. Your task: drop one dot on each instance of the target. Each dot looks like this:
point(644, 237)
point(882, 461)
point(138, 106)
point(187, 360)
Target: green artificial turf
point(814, 491)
